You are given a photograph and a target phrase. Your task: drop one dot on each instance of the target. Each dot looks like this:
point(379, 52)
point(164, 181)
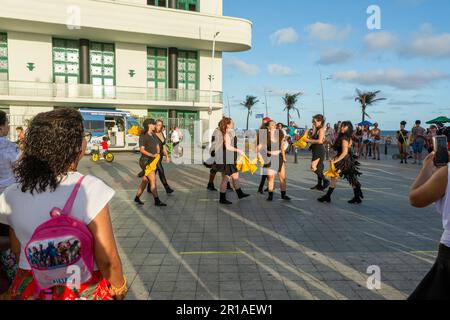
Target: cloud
point(283, 36)
point(427, 44)
point(335, 56)
point(280, 70)
point(409, 103)
point(380, 41)
point(328, 32)
point(395, 78)
point(243, 67)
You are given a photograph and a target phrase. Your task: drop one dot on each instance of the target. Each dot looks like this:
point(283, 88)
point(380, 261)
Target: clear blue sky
point(408, 59)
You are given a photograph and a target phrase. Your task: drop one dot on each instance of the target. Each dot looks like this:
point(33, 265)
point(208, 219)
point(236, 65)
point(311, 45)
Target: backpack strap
point(69, 204)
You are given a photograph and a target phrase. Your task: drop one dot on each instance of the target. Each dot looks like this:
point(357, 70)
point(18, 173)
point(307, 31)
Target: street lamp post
point(267, 106)
point(323, 99)
point(211, 79)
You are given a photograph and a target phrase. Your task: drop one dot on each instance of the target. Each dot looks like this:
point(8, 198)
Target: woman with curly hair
point(346, 164)
point(46, 175)
point(226, 152)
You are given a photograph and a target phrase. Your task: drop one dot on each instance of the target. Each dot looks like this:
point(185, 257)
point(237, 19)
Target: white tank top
point(443, 207)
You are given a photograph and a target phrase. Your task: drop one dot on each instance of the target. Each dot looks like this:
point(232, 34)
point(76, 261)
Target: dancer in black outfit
point(317, 141)
point(158, 133)
point(262, 132)
point(346, 165)
point(211, 161)
point(272, 147)
point(226, 152)
point(149, 148)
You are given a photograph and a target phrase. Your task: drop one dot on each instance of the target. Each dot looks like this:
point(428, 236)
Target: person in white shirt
point(46, 175)
point(432, 186)
point(176, 139)
point(9, 153)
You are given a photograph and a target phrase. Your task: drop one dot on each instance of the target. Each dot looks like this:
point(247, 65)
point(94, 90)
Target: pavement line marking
point(346, 271)
point(359, 216)
point(299, 210)
point(210, 252)
point(424, 251)
point(400, 245)
point(155, 228)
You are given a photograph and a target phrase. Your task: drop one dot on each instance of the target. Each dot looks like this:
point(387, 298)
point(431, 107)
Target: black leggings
point(319, 153)
point(162, 175)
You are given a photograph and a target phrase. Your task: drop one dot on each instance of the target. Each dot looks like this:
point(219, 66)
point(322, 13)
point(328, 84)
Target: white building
point(150, 57)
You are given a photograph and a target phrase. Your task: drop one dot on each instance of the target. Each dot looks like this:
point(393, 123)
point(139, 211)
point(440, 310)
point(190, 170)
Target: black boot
point(149, 190)
point(138, 201)
point(241, 194)
point(229, 188)
point(361, 195)
point(262, 183)
point(270, 198)
point(211, 187)
point(327, 197)
point(169, 190)
point(356, 198)
point(284, 196)
point(326, 184)
point(158, 203)
point(318, 186)
point(223, 199)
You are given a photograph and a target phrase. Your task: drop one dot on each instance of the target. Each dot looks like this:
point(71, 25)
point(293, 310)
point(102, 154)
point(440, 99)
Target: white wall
point(29, 47)
point(142, 113)
point(131, 57)
point(209, 6)
point(205, 58)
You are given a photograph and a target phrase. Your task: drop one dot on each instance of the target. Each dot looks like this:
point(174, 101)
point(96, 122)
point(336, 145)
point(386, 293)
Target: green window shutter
point(157, 68)
point(187, 70)
point(3, 56)
point(103, 64)
point(66, 61)
point(191, 5)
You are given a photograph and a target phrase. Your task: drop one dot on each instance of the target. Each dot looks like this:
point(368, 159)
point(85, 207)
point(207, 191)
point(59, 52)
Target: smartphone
point(440, 145)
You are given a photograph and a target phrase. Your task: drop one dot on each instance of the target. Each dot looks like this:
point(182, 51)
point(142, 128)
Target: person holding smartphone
point(432, 186)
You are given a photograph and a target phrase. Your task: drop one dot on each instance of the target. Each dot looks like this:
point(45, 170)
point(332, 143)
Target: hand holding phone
point(440, 145)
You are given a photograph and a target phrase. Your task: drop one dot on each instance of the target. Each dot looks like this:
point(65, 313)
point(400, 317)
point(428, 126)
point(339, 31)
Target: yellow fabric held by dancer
point(301, 143)
point(245, 165)
point(152, 166)
point(332, 173)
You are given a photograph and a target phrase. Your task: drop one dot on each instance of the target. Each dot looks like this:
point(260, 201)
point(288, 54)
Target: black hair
point(418, 122)
point(52, 145)
point(403, 123)
point(2, 118)
point(346, 135)
point(148, 122)
point(320, 118)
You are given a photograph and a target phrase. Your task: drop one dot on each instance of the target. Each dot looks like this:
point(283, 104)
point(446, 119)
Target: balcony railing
point(99, 92)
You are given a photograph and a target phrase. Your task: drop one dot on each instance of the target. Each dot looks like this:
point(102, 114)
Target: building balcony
point(76, 95)
point(130, 22)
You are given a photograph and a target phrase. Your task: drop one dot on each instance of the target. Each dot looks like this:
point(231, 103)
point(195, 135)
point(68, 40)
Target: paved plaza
point(198, 249)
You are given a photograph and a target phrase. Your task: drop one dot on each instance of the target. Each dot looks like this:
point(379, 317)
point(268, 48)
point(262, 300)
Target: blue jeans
point(418, 146)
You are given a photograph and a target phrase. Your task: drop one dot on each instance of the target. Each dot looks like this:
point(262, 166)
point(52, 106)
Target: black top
point(161, 143)
point(402, 137)
point(316, 146)
point(150, 143)
point(338, 146)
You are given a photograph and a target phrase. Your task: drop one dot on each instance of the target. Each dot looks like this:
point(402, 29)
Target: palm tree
point(367, 98)
point(290, 100)
point(249, 103)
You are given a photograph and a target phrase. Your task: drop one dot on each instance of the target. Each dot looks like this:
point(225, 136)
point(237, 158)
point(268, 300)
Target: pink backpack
point(61, 247)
